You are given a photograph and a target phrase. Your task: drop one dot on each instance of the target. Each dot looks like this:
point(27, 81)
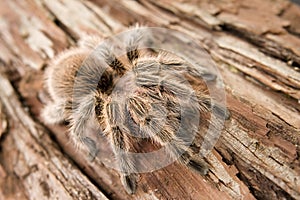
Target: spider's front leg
point(118, 134)
point(54, 112)
point(83, 114)
point(133, 42)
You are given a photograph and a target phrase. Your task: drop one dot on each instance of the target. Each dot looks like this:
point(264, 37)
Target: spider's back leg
point(120, 143)
point(165, 117)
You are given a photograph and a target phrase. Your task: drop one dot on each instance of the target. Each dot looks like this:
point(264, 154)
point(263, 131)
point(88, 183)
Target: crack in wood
point(275, 168)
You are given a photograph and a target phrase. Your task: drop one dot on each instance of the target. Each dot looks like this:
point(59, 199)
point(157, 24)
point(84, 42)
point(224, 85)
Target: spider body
point(141, 97)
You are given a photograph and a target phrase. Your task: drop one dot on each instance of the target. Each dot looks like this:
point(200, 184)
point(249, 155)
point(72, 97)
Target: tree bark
point(255, 45)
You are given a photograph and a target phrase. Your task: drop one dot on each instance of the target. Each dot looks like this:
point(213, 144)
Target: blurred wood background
point(256, 47)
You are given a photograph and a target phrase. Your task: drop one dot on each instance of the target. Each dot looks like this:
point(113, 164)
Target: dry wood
point(255, 45)
point(32, 165)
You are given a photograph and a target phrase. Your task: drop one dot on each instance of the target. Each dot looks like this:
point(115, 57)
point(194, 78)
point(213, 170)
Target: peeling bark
point(255, 45)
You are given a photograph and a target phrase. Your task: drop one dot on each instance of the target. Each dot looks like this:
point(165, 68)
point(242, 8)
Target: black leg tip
point(222, 112)
point(199, 166)
point(129, 183)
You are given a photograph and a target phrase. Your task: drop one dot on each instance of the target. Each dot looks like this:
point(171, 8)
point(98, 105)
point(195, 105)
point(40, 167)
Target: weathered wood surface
point(256, 47)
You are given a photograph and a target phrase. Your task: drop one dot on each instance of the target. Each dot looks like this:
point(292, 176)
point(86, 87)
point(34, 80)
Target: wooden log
point(255, 46)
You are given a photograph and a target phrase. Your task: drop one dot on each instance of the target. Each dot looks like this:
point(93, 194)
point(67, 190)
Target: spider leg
point(161, 122)
point(54, 112)
point(121, 145)
point(92, 147)
point(107, 53)
point(132, 44)
point(82, 115)
point(171, 63)
point(205, 101)
point(201, 73)
point(221, 111)
point(184, 128)
point(217, 110)
point(90, 41)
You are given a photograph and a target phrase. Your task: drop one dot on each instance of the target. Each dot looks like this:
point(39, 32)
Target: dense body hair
point(142, 95)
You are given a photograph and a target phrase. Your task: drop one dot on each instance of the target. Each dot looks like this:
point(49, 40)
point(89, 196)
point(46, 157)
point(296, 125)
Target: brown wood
point(255, 45)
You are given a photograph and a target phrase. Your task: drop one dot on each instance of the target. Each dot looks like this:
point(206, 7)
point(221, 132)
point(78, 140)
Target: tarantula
point(139, 95)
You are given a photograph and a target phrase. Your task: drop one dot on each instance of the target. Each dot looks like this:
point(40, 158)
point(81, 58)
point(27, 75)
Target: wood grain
point(255, 45)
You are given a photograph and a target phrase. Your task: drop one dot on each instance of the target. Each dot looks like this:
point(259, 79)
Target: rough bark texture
point(255, 45)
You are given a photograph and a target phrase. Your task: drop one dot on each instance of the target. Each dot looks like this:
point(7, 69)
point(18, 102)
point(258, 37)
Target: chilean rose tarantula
point(137, 95)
